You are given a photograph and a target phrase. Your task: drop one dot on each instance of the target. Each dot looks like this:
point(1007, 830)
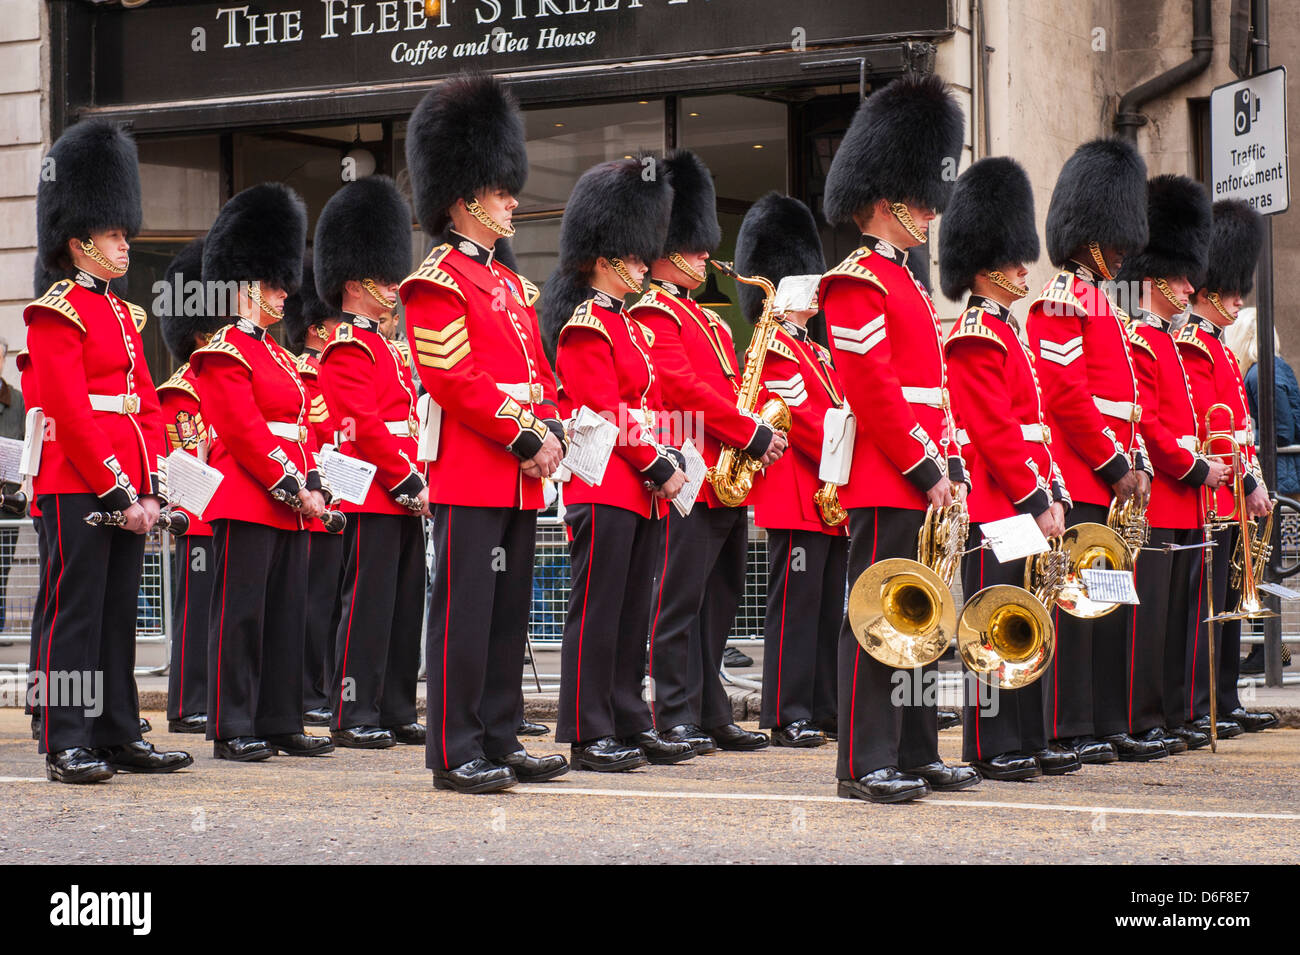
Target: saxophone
point(733, 476)
point(827, 500)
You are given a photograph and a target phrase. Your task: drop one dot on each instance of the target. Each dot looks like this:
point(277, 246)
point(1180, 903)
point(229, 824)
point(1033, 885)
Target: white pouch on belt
point(838, 430)
point(430, 430)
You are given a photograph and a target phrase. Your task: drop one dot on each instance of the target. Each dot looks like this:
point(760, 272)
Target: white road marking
point(22, 779)
point(964, 803)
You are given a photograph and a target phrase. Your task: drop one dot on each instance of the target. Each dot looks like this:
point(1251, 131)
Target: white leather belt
point(1037, 433)
point(933, 397)
point(1188, 442)
point(1124, 410)
point(116, 404)
point(404, 428)
point(523, 392)
point(288, 430)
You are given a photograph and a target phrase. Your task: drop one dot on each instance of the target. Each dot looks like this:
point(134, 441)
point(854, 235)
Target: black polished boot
point(732, 737)
point(317, 717)
point(300, 744)
point(944, 778)
point(145, 726)
point(76, 765)
point(242, 749)
point(534, 769)
point(886, 785)
point(141, 757)
point(948, 719)
point(1057, 760)
point(479, 775)
point(1159, 734)
point(1132, 750)
point(798, 735)
point(1089, 749)
point(1194, 739)
point(363, 737)
point(529, 728)
point(1224, 729)
point(700, 741)
point(659, 750)
point(410, 734)
point(1008, 767)
point(194, 723)
point(1252, 722)
point(606, 755)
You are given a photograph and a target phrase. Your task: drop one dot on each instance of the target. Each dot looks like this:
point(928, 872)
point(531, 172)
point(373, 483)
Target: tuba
point(902, 612)
point(733, 476)
point(1085, 546)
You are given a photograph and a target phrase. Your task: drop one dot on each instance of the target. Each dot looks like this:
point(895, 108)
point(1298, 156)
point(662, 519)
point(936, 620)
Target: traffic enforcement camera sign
point(1248, 156)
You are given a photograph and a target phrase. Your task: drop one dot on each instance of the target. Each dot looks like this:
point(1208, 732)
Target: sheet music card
point(1110, 586)
point(591, 442)
point(11, 460)
point(349, 478)
point(190, 483)
point(696, 470)
point(796, 293)
point(1014, 537)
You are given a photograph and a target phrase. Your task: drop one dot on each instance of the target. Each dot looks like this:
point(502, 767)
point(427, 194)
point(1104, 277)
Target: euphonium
point(733, 476)
point(1005, 633)
point(1129, 521)
point(1086, 546)
point(902, 612)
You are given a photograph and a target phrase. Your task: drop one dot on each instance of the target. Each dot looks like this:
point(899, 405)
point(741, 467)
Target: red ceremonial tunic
point(183, 425)
point(103, 425)
point(798, 371)
point(604, 360)
point(695, 357)
point(886, 341)
point(1168, 426)
point(250, 384)
point(367, 385)
point(1215, 378)
point(999, 411)
point(478, 350)
point(1085, 365)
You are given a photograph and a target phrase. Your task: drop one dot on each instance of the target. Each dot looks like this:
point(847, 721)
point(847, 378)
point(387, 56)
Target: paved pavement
point(1239, 805)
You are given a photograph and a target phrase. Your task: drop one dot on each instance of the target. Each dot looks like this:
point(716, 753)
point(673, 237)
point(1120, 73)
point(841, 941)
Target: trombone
point(902, 611)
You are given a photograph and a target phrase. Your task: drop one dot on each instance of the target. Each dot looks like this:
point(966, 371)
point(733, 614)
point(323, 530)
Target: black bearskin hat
point(259, 236)
point(693, 226)
point(1178, 220)
point(903, 145)
point(1100, 196)
point(989, 223)
point(614, 211)
point(304, 308)
point(1236, 239)
point(179, 329)
point(465, 135)
point(93, 186)
point(777, 238)
point(364, 232)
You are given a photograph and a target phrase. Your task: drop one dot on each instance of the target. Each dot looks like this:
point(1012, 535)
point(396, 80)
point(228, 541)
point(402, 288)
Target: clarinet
point(412, 504)
point(14, 502)
point(334, 521)
point(174, 522)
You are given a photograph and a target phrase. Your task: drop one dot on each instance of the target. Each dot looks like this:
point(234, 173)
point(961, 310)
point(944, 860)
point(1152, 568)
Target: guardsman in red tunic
point(1215, 376)
point(473, 332)
point(989, 238)
point(703, 574)
point(888, 178)
point(103, 435)
point(1160, 280)
point(363, 251)
point(31, 400)
point(308, 325)
point(255, 408)
point(1085, 365)
point(806, 556)
point(614, 223)
point(184, 329)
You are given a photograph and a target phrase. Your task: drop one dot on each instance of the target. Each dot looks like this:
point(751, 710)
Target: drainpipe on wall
point(1127, 116)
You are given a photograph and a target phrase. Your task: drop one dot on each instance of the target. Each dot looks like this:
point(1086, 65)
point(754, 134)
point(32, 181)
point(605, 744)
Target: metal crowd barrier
point(18, 595)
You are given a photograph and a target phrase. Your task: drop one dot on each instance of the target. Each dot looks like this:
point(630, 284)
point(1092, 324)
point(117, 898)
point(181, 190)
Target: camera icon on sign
point(1245, 110)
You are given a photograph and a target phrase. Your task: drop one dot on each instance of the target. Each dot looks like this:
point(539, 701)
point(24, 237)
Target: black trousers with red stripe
point(38, 613)
point(478, 626)
point(1227, 636)
point(613, 556)
point(805, 608)
point(1010, 721)
point(192, 573)
point(324, 605)
point(256, 630)
point(378, 641)
point(1086, 681)
point(86, 680)
point(701, 580)
point(1158, 624)
point(886, 717)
